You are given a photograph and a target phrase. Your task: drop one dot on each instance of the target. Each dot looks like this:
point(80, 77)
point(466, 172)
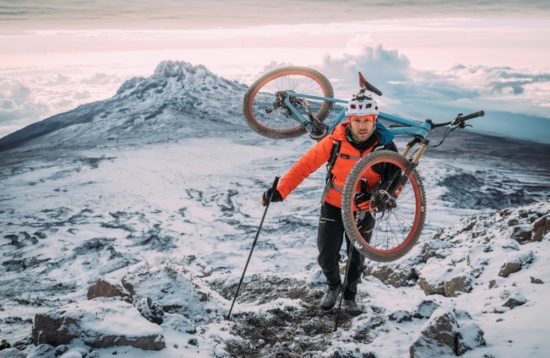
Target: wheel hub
point(381, 200)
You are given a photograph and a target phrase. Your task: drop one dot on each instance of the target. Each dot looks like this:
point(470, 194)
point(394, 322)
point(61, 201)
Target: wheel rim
point(394, 228)
point(264, 95)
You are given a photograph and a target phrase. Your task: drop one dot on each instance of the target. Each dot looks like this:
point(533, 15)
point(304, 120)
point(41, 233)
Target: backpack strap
point(334, 153)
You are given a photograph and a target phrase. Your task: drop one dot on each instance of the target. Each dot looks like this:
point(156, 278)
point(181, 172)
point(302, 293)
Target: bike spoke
point(392, 226)
point(399, 223)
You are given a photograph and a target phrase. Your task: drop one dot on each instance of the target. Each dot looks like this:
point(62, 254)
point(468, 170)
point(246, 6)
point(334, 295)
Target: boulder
point(108, 288)
point(514, 300)
point(400, 316)
point(174, 288)
point(178, 323)
point(448, 332)
point(365, 325)
point(448, 285)
point(431, 287)
point(435, 280)
point(4, 344)
point(521, 234)
point(425, 309)
point(433, 248)
point(150, 310)
point(509, 268)
point(516, 262)
point(461, 283)
point(541, 227)
point(99, 323)
point(23, 343)
point(390, 275)
point(62, 349)
point(42, 351)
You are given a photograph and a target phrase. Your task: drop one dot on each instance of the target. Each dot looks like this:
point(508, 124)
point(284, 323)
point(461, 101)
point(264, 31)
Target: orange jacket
point(320, 154)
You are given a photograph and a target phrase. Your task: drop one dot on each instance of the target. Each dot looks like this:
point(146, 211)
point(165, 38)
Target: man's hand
point(276, 196)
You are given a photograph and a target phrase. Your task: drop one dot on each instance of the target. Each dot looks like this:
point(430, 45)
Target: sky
point(431, 58)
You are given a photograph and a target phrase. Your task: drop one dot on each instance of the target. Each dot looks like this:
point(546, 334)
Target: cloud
point(503, 88)
point(413, 92)
point(100, 79)
point(377, 64)
point(56, 80)
point(18, 102)
point(24, 100)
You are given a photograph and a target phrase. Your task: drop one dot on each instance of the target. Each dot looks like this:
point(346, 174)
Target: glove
point(275, 198)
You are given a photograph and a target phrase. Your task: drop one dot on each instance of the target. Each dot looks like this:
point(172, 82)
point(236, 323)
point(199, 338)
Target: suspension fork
point(420, 152)
point(395, 190)
point(410, 145)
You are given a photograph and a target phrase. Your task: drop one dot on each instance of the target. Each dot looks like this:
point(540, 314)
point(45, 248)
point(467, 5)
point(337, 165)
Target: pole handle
point(273, 188)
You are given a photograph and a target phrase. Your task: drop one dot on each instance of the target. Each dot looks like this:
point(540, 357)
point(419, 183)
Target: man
point(351, 140)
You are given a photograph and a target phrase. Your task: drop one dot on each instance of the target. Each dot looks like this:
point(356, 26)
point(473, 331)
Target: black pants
point(329, 241)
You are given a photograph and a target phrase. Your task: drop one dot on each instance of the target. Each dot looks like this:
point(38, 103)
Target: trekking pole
point(273, 188)
point(350, 251)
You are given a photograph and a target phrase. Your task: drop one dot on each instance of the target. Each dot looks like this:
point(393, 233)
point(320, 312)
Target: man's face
point(362, 127)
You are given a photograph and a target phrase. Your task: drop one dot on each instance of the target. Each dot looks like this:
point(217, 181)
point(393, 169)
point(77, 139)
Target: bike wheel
point(272, 120)
point(398, 219)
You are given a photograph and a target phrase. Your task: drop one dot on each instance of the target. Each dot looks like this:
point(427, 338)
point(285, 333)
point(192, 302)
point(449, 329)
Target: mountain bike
point(383, 220)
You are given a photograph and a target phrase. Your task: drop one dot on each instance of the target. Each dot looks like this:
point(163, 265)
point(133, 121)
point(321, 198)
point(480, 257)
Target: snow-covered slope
point(177, 222)
point(179, 100)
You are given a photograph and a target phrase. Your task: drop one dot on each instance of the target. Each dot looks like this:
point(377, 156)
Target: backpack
point(386, 143)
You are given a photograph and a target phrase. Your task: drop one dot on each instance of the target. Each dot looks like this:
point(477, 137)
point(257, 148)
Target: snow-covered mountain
point(179, 100)
point(164, 214)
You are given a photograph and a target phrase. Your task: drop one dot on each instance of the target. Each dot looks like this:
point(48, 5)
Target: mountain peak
point(179, 78)
point(179, 69)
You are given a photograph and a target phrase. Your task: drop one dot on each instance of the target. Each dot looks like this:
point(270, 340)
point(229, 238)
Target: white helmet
point(362, 106)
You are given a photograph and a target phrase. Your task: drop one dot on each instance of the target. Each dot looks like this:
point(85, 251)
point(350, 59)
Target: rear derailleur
point(319, 130)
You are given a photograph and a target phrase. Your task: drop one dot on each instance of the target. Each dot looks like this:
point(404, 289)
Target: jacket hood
point(339, 132)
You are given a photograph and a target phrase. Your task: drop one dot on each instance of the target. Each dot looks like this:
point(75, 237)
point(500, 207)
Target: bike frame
point(406, 127)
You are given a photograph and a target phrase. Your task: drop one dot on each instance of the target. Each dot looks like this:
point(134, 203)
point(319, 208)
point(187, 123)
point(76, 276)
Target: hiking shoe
point(329, 299)
point(352, 307)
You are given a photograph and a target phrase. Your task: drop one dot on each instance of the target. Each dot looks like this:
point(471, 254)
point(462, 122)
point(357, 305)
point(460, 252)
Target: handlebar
point(460, 119)
point(458, 122)
point(471, 116)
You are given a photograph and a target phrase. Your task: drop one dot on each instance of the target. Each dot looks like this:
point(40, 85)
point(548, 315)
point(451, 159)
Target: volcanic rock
point(99, 323)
